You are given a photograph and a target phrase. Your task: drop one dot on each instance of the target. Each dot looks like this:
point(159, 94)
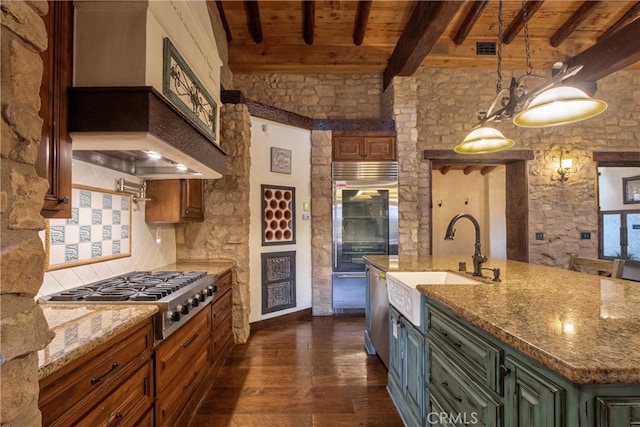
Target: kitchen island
point(581, 331)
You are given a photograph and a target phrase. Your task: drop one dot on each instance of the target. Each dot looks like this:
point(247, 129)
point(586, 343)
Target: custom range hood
point(146, 89)
point(137, 131)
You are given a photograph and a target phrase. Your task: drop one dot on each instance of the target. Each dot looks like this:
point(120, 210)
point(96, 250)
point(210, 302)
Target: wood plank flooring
point(311, 372)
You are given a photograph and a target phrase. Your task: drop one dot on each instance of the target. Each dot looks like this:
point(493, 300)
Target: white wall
point(610, 188)
point(264, 135)
point(485, 196)
point(146, 253)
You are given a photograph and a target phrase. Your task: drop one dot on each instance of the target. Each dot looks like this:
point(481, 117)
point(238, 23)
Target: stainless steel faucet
point(478, 258)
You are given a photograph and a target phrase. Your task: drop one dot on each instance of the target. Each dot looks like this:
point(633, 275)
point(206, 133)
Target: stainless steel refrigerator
point(365, 222)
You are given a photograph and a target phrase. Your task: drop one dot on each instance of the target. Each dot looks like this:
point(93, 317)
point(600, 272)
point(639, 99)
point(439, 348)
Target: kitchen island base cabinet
point(617, 411)
point(112, 384)
point(406, 369)
point(222, 337)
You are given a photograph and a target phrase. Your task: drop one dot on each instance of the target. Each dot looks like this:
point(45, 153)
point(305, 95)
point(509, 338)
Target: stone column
point(224, 233)
point(321, 223)
point(23, 327)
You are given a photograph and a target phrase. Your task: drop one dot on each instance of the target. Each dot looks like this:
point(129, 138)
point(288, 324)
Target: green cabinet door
point(617, 411)
point(396, 344)
point(531, 400)
point(414, 369)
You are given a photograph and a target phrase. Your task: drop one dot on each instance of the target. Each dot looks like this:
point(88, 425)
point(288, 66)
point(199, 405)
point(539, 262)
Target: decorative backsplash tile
point(98, 230)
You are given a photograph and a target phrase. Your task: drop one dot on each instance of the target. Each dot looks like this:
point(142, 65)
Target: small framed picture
point(631, 189)
point(280, 160)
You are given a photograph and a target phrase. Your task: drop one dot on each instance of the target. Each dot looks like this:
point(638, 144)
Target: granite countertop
point(582, 326)
point(79, 328)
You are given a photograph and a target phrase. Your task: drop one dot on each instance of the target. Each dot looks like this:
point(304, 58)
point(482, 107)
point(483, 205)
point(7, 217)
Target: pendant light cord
point(499, 81)
point(527, 49)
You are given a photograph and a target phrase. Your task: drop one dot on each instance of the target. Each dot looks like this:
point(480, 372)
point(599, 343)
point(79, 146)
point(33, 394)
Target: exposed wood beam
point(631, 15)
point(362, 18)
point(518, 22)
point(467, 170)
point(487, 169)
point(308, 20)
point(445, 169)
point(223, 18)
point(469, 21)
point(614, 53)
point(425, 26)
point(253, 20)
point(574, 22)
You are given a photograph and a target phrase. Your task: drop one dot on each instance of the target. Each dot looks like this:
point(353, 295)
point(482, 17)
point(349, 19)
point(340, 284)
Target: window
point(620, 234)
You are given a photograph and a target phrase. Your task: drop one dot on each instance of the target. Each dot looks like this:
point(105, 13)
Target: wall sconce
point(565, 167)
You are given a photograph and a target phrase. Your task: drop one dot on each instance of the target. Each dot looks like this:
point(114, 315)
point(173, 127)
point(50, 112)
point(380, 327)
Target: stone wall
point(318, 96)
point(23, 328)
point(224, 234)
point(321, 223)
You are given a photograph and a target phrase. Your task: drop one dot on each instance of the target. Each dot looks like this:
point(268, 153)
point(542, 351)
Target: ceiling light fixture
point(547, 105)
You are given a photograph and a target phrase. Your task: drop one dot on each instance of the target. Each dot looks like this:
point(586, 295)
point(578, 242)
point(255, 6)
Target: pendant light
point(483, 140)
point(559, 106)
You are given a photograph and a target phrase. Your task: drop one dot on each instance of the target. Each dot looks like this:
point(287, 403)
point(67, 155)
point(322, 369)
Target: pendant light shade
point(558, 106)
point(483, 140)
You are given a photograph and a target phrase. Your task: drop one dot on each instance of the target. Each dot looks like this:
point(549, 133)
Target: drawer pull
point(456, 344)
point(95, 380)
point(192, 339)
point(116, 420)
point(191, 381)
point(504, 371)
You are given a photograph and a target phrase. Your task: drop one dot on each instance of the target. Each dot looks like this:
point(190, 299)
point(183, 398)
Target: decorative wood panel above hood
point(116, 127)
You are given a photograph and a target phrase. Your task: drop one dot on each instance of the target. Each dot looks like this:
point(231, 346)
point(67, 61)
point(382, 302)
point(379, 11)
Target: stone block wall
point(318, 96)
point(23, 328)
point(224, 233)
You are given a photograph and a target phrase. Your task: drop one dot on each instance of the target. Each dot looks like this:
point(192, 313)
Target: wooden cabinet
point(406, 368)
point(112, 384)
point(222, 328)
point(182, 362)
point(617, 411)
point(175, 200)
point(54, 153)
point(364, 146)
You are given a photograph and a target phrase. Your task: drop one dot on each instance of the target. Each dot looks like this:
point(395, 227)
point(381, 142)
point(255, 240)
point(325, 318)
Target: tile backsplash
point(152, 247)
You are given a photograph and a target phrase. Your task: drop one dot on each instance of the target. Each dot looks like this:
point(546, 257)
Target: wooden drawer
point(451, 385)
point(224, 283)
point(70, 392)
point(477, 356)
point(222, 308)
point(171, 402)
point(174, 354)
point(126, 405)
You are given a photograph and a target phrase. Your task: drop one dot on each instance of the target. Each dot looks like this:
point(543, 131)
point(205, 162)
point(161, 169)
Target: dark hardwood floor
point(310, 372)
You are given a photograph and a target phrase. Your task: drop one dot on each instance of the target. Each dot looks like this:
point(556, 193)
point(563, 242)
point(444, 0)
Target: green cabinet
point(531, 399)
point(617, 411)
point(406, 368)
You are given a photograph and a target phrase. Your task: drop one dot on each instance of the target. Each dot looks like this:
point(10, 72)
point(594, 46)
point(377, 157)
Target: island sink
point(403, 295)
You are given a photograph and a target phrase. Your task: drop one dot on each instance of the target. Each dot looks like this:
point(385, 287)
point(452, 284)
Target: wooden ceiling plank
point(469, 21)
point(426, 25)
point(518, 22)
point(631, 15)
point(308, 21)
point(570, 25)
point(362, 18)
point(614, 53)
point(223, 18)
point(253, 20)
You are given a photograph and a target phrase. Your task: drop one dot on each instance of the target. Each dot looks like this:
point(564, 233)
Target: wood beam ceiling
point(308, 20)
point(426, 25)
point(631, 15)
point(612, 54)
point(518, 22)
point(579, 16)
point(223, 18)
point(253, 20)
point(470, 20)
point(362, 19)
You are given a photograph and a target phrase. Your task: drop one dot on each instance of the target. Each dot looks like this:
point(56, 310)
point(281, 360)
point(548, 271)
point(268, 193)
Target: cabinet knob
point(64, 200)
point(504, 371)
